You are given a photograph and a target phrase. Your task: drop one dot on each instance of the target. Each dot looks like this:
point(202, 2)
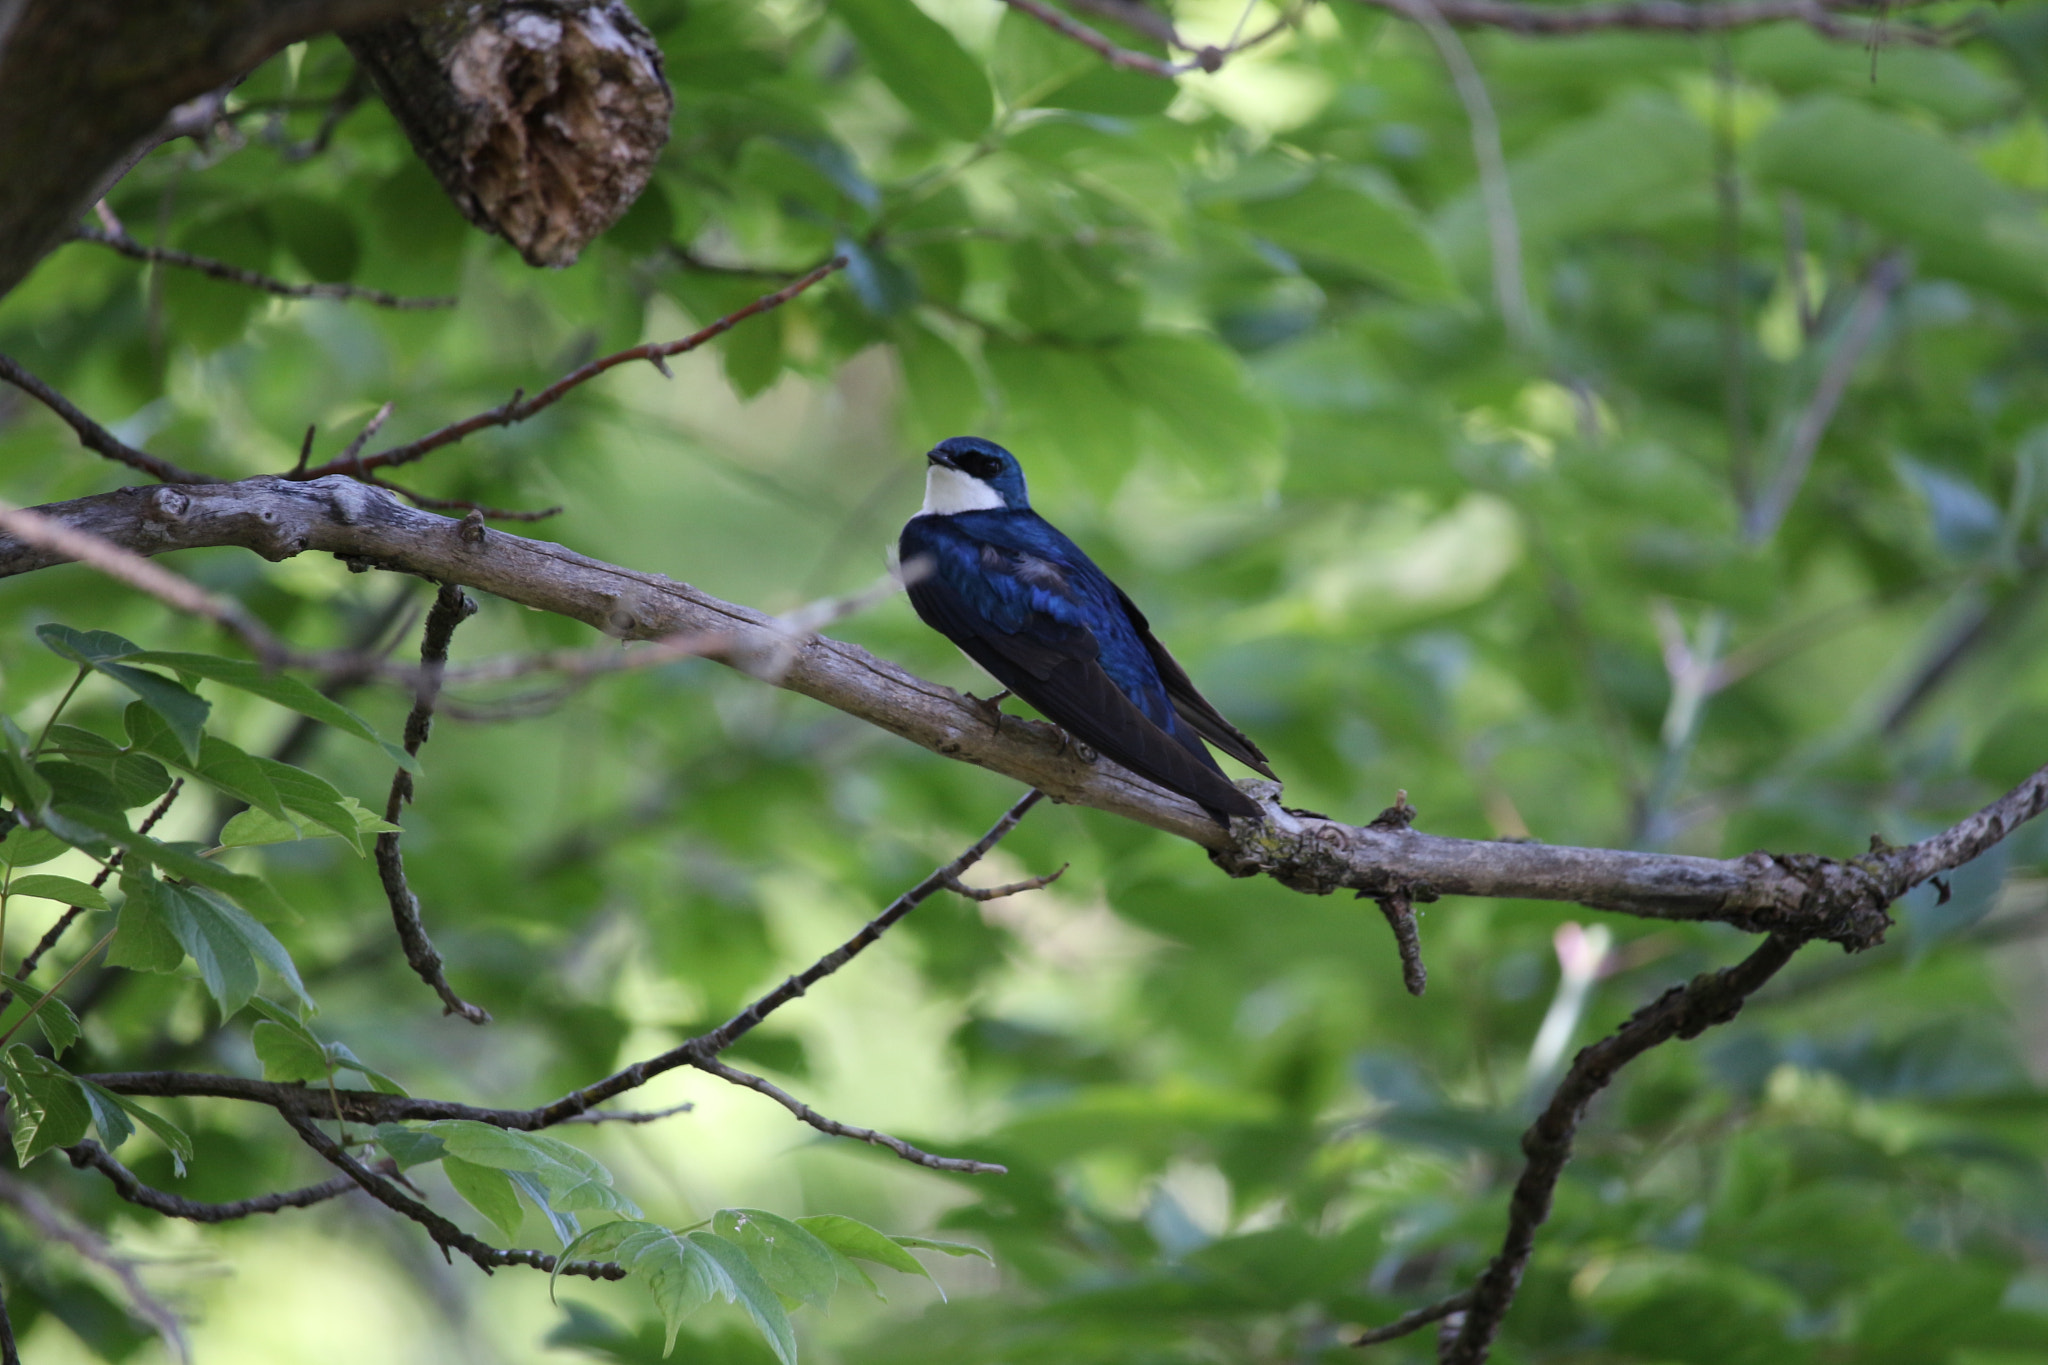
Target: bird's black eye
point(982, 466)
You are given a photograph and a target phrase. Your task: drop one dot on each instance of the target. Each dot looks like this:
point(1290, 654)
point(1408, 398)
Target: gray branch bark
point(1798, 895)
point(542, 119)
point(88, 86)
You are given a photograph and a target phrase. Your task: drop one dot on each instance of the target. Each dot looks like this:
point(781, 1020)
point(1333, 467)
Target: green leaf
point(181, 710)
point(225, 943)
point(107, 1116)
point(27, 847)
point(752, 1291)
point(252, 827)
point(219, 763)
point(409, 1146)
point(794, 1262)
point(939, 388)
point(19, 781)
point(566, 1225)
point(50, 1109)
point(315, 798)
point(1914, 185)
point(1197, 387)
point(1360, 228)
point(681, 1277)
point(856, 1239)
point(922, 63)
point(572, 1179)
point(489, 1192)
point(173, 1137)
point(948, 1248)
point(143, 940)
point(54, 1017)
point(138, 778)
point(253, 892)
point(1641, 159)
point(74, 784)
point(288, 1054)
point(1034, 66)
point(339, 1055)
point(64, 890)
point(1063, 405)
point(282, 688)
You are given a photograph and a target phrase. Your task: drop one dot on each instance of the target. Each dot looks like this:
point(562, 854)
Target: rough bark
point(88, 86)
point(1797, 895)
point(542, 119)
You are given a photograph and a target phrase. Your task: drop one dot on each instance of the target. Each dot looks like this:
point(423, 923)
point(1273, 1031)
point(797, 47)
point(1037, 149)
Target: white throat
point(947, 491)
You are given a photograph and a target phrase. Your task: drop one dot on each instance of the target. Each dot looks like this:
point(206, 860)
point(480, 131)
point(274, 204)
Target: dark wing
point(1192, 706)
point(1053, 665)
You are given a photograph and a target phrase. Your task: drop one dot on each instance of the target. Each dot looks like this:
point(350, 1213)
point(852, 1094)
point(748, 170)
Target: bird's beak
point(938, 456)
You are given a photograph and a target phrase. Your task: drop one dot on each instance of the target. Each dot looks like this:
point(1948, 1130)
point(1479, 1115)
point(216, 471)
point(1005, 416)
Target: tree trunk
point(88, 86)
point(542, 119)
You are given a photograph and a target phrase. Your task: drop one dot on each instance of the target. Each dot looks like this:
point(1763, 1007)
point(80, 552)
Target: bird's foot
point(992, 707)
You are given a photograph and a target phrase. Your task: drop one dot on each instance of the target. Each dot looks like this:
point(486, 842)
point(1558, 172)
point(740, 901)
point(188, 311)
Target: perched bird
point(1025, 603)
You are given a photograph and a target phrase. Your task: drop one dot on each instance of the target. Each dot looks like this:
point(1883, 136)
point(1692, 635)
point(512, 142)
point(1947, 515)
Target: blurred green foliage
point(1243, 334)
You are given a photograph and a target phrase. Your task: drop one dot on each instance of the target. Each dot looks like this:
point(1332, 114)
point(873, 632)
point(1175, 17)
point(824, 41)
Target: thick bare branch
point(1800, 895)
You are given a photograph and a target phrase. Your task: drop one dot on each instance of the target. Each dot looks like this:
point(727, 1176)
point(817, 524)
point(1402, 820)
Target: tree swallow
point(1025, 603)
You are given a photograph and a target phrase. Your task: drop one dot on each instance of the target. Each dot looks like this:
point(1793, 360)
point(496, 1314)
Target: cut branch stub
point(542, 119)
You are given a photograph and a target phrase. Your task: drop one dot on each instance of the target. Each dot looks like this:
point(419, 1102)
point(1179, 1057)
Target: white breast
point(947, 491)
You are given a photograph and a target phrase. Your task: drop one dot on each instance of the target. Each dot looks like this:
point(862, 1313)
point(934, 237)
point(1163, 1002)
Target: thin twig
point(354, 448)
point(446, 1235)
point(1399, 908)
point(345, 102)
point(1663, 16)
point(91, 434)
point(846, 1130)
point(250, 279)
point(1503, 232)
point(56, 931)
point(57, 1225)
point(89, 1154)
point(735, 1028)
point(1728, 257)
point(1859, 329)
point(1103, 45)
point(519, 408)
point(1681, 1012)
point(180, 594)
point(996, 893)
point(1415, 1320)
point(10, 1354)
point(482, 509)
point(632, 1116)
point(451, 608)
point(1135, 14)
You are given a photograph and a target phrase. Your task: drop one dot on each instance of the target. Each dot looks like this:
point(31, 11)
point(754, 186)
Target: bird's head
point(968, 474)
